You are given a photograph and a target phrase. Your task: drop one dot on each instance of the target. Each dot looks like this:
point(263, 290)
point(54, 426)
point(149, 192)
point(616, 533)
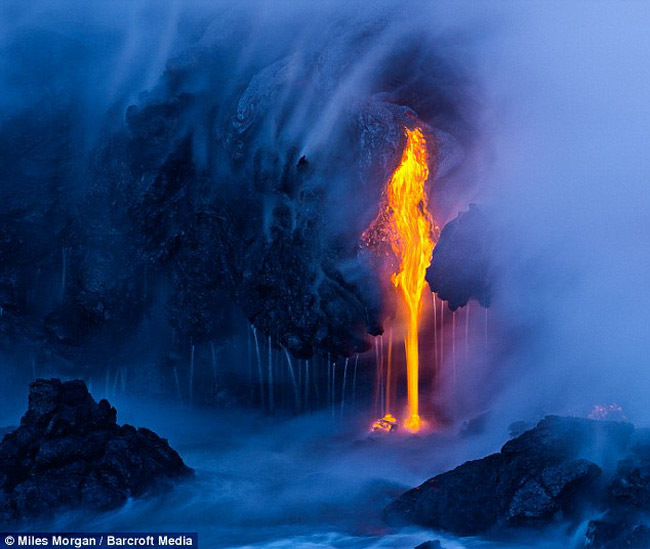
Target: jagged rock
point(69, 452)
point(630, 487)
point(536, 476)
point(627, 502)
point(460, 266)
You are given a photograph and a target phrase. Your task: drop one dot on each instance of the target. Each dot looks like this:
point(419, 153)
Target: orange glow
point(386, 424)
point(411, 231)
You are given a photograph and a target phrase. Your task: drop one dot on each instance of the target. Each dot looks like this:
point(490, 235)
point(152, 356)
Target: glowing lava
point(410, 230)
point(386, 424)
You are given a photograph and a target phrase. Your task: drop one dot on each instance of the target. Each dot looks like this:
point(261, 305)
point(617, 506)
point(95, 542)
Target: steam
point(541, 112)
point(569, 130)
point(560, 160)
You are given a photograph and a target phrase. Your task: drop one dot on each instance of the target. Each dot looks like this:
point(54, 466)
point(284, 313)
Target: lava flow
point(411, 231)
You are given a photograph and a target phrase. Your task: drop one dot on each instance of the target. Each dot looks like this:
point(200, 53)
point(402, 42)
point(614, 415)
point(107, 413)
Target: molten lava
point(386, 424)
point(411, 232)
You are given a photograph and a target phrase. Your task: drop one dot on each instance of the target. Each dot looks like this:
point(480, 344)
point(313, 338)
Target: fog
point(569, 127)
point(542, 115)
point(310, 482)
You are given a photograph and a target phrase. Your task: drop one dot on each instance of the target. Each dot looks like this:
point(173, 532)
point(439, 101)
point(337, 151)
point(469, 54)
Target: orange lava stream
point(411, 228)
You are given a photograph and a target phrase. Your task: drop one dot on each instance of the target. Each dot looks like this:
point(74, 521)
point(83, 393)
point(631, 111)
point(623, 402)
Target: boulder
point(69, 452)
point(538, 476)
point(461, 263)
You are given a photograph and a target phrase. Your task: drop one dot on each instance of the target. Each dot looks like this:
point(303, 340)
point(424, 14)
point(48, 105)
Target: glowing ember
point(611, 412)
point(386, 424)
point(411, 231)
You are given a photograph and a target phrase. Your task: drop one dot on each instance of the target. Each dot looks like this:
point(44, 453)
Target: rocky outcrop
point(543, 474)
point(69, 452)
point(432, 544)
point(460, 267)
point(630, 487)
point(628, 501)
point(609, 534)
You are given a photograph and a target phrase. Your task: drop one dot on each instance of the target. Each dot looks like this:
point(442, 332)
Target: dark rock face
point(603, 534)
point(231, 189)
point(536, 476)
point(460, 267)
point(442, 502)
point(630, 487)
point(628, 501)
point(69, 452)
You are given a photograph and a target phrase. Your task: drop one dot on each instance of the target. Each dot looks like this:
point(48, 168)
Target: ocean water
point(314, 481)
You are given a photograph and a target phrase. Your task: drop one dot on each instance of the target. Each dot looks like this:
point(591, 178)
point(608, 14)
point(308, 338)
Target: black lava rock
point(460, 266)
point(628, 501)
point(631, 485)
point(537, 476)
point(605, 534)
point(629, 490)
point(69, 452)
point(211, 195)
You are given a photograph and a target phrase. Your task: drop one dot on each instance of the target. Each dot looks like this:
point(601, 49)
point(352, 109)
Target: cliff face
point(223, 188)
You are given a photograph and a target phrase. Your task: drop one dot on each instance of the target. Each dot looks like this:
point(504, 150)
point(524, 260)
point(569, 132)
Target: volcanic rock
point(460, 267)
point(630, 487)
point(542, 474)
point(69, 452)
point(605, 534)
point(226, 192)
point(628, 501)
